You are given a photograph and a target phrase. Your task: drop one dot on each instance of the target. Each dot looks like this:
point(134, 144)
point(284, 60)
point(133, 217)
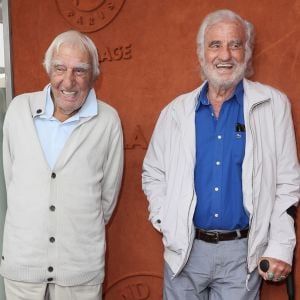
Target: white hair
point(223, 15)
point(73, 37)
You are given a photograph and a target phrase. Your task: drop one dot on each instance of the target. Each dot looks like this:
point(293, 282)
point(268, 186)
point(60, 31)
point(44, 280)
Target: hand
point(278, 269)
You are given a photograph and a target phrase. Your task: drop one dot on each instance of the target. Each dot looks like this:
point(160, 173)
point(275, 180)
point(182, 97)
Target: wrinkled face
point(71, 80)
point(224, 53)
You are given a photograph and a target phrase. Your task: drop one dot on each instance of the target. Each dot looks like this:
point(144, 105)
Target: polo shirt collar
point(88, 109)
point(238, 95)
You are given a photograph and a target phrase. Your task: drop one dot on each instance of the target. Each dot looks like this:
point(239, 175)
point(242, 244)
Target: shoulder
point(259, 90)
point(21, 104)
point(108, 114)
point(184, 103)
point(24, 99)
point(106, 109)
point(28, 96)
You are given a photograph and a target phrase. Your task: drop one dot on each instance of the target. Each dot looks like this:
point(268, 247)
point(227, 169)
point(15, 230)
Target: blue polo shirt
point(220, 148)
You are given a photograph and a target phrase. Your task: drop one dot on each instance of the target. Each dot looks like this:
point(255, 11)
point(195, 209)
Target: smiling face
point(71, 80)
point(224, 54)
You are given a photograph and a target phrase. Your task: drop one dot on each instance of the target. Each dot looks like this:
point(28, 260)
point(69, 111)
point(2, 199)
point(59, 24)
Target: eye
point(59, 68)
point(80, 71)
point(214, 45)
point(236, 45)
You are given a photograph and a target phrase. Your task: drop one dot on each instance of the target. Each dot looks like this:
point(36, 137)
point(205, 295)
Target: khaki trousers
point(16, 290)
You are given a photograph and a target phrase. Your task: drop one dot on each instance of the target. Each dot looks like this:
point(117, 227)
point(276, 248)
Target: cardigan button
point(158, 221)
point(38, 111)
point(52, 239)
point(53, 175)
point(52, 208)
point(50, 269)
point(50, 279)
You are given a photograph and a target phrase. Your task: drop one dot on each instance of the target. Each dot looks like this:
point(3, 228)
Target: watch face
point(89, 15)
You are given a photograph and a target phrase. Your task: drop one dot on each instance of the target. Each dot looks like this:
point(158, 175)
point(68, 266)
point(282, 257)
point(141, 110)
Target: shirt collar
point(238, 95)
point(88, 109)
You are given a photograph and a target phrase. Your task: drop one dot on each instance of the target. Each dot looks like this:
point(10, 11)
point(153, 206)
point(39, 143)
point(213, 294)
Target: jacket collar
point(254, 92)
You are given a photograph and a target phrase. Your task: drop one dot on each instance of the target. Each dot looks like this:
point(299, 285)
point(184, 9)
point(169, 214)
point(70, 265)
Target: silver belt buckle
point(214, 235)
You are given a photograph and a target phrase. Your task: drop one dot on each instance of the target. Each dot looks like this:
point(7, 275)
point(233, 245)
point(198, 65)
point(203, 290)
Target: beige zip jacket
point(271, 175)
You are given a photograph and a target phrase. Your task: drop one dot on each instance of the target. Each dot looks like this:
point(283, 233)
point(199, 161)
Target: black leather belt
point(216, 236)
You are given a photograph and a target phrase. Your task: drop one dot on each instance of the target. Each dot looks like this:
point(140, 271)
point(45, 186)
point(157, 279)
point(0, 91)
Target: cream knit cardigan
point(55, 221)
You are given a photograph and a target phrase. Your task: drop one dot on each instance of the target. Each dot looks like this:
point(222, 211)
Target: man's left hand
point(278, 269)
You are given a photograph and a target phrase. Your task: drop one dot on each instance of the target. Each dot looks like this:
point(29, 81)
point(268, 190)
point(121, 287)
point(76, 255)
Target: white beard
point(217, 82)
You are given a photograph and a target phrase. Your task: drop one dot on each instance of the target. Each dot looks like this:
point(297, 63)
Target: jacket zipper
point(252, 178)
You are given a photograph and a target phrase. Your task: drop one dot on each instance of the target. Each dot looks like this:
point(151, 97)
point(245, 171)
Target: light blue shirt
point(52, 133)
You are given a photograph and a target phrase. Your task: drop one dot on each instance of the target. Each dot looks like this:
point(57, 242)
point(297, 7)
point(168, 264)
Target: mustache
point(208, 72)
point(231, 61)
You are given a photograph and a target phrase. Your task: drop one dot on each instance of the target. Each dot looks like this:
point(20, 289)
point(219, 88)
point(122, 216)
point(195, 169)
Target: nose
point(224, 53)
point(69, 78)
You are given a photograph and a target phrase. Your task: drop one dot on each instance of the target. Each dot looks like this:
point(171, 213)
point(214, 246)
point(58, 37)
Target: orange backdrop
point(148, 56)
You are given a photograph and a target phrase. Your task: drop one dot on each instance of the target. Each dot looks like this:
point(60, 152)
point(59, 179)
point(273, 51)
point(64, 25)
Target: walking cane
point(290, 286)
